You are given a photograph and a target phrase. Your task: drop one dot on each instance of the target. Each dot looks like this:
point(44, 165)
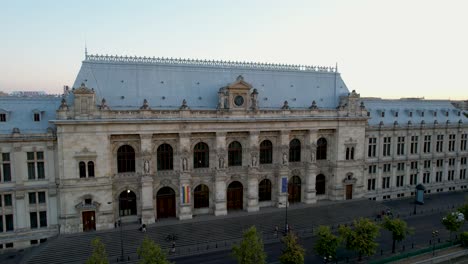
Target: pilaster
point(252, 190)
point(147, 208)
point(220, 177)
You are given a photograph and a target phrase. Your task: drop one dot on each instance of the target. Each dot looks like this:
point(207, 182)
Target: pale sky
point(388, 49)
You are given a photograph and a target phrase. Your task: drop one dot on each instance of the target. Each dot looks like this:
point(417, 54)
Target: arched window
point(264, 190)
point(321, 149)
point(165, 157)
point(90, 169)
point(320, 184)
point(266, 152)
point(201, 196)
point(235, 154)
point(294, 150)
point(125, 159)
point(201, 155)
point(82, 167)
point(127, 203)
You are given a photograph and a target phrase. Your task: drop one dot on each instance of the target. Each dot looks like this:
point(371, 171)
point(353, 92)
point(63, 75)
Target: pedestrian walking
point(276, 231)
point(173, 247)
point(143, 228)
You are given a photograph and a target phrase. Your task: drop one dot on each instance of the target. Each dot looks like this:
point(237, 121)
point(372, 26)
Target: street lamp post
point(434, 235)
point(121, 241)
point(286, 227)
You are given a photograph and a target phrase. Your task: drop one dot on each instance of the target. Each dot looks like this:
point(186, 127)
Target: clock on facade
point(239, 100)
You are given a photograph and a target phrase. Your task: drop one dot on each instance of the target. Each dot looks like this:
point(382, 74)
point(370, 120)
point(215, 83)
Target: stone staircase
point(203, 233)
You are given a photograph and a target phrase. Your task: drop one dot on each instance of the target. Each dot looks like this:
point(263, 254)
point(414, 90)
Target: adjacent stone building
point(140, 139)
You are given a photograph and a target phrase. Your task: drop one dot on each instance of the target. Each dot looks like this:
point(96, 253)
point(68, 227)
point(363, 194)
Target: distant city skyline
point(387, 49)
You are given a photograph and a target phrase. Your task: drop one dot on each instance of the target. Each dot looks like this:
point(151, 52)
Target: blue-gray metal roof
point(20, 113)
point(126, 81)
point(414, 110)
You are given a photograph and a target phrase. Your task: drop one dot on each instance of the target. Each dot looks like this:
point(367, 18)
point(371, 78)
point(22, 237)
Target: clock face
point(239, 100)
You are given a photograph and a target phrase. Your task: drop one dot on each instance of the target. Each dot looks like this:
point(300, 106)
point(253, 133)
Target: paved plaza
point(209, 233)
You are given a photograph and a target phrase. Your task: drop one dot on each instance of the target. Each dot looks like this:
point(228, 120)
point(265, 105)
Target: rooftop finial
point(85, 50)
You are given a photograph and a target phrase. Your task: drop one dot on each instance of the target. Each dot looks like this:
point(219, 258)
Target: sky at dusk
point(388, 49)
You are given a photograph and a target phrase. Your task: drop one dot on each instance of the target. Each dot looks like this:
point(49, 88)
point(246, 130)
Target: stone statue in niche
point(312, 156)
point(146, 166)
point(184, 164)
point(285, 158)
point(254, 160)
point(221, 162)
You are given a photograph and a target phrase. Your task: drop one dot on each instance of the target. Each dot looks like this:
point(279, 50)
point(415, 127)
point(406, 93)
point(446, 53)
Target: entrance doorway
point(294, 190)
point(127, 203)
point(349, 192)
point(235, 194)
point(165, 203)
point(89, 221)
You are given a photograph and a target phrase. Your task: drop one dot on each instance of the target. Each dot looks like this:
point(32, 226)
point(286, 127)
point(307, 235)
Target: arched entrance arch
point(320, 184)
point(235, 192)
point(165, 203)
point(294, 190)
point(127, 203)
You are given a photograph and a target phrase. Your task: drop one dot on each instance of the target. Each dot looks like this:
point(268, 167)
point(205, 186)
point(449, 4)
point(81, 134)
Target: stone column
point(147, 209)
point(185, 178)
point(311, 168)
point(252, 175)
point(283, 167)
point(220, 176)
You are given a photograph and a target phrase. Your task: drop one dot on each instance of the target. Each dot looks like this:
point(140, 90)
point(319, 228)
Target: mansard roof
point(125, 81)
point(20, 113)
point(414, 110)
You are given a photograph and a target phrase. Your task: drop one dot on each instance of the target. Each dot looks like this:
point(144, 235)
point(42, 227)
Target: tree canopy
point(99, 255)
point(398, 228)
point(361, 238)
point(250, 250)
point(327, 243)
point(151, 253)
point(293, 253)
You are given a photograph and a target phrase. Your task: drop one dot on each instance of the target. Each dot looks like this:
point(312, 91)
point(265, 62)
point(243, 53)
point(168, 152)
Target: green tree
point(150, 253)
point(398, 228)
point(293, 253)
point(453, 222)
point(464, 210)
point(362, 238)
point(327, 243)
point(99, 255)
point(250, 250)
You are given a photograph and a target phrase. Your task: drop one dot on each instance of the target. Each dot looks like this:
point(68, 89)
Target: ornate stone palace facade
point(149, 138)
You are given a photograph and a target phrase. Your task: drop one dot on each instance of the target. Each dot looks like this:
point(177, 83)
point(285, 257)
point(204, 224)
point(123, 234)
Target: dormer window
point(447, 113)
point(422, 113)
point(410, 114)
point(435, 114)
point(88, 201)
point(396, 114)
point(382, 114)
point(37, 117)
point(2, 117)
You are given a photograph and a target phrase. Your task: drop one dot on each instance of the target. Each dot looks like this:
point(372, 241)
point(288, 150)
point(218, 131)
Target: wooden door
point(235, 194)
point(349, 192)
point(89, 221)
point(294, 190)
point(166, 206)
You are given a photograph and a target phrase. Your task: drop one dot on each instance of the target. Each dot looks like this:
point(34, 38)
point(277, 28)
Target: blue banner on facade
point(284, 184)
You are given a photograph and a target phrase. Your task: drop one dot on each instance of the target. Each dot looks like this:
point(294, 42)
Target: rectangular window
point(2, 117)
point(463, 142)
point(439, 176)
point(413, 179)
point(401, 166)
point(386, 167)
point(451, 145)
point(1, 224)
point(401, 146)
point(427, 164)
point(386, 146)
point(414, 165)
point(399, 182)
point(43, 219)
point(5, 169)
point(385, 182)
point(440, 143)
point(33, 219)
point(42, 197)
point(462, 174)
point(32, 198)
point(9, 222)
point(452, 162)
point(35, 165)
point(370, 184)
point(450, 175)
point(7, 199)
point(414, 145)
point(382, 114)
point(372, 169)
point(439, 163)
point(463, 161)
point(427, 144)
point(372, 147)
point(426, 177)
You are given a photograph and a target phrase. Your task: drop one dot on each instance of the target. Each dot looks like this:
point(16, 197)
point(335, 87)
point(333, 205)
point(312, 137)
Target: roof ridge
point(198, 62)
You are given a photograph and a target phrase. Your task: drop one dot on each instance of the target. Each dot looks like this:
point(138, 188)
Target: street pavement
point(204, 238)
